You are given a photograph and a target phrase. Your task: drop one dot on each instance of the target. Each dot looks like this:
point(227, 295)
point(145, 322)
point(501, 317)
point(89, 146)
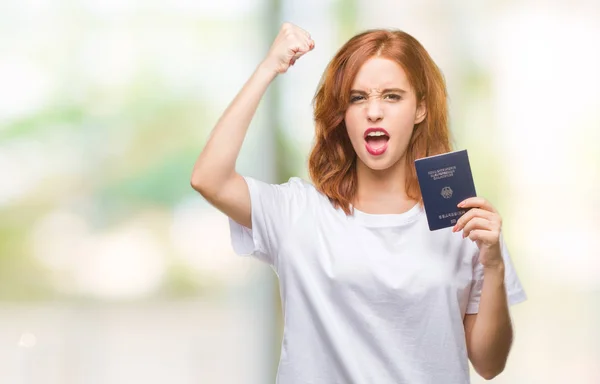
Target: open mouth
point(376, 140)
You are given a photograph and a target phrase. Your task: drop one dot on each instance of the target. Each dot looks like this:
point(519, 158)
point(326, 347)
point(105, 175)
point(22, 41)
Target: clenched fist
point(291, 43)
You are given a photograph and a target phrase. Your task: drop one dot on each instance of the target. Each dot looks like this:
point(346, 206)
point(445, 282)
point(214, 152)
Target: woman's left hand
point(482, 224)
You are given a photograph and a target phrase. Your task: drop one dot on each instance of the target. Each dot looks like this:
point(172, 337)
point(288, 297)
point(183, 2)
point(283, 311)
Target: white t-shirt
point(366, 298)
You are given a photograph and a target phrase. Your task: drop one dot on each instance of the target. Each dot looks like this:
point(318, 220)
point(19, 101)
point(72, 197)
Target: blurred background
point(113, 270)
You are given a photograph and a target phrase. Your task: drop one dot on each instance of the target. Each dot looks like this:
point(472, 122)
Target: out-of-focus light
point(57, 239)
point(128, 262)
point(200, 234)
point(25, 87)
point(110, 59)
point(546, 103)
point(25, 163)
point(27, 340)
point(22, 166)
point(203, 8)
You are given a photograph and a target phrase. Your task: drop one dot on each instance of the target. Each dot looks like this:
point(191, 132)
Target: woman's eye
point(392, 96)
point(355, 98)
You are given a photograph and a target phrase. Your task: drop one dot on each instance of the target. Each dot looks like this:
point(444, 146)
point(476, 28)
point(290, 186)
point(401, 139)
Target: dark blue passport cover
point(445, 180)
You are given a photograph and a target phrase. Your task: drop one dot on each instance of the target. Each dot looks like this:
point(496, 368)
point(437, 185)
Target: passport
point(445, 180)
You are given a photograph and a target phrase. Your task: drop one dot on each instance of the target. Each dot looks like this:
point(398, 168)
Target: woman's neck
point(382, 192)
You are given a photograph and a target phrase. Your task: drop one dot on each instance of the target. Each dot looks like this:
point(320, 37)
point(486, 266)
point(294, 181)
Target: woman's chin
point(381, 162)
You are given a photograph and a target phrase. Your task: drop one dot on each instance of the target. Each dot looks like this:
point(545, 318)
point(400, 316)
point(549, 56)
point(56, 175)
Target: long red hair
point(332, 161)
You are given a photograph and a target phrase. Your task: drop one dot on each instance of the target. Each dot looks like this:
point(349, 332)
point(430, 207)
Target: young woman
point(369, 293)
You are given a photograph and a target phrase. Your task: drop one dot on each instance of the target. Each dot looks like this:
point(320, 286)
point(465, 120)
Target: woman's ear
point(421, 112)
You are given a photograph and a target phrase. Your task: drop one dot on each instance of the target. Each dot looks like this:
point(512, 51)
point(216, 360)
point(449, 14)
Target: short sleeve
point(274, 208)
point(514, 290)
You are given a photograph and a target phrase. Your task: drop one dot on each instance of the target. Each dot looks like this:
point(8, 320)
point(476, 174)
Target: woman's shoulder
point(300, 182)
point(297, 184)
point(296, 191)
point(307, 190)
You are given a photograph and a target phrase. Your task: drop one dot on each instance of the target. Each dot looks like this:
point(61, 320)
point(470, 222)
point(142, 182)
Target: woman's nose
point(374, 110)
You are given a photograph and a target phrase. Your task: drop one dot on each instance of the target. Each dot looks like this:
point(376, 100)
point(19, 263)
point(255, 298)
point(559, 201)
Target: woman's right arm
point(214, 175)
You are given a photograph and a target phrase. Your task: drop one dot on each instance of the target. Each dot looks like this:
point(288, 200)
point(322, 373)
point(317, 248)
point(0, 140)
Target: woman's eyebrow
point(387, 90)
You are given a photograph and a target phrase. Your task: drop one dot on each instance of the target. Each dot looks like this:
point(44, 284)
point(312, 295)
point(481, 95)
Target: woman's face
point(382, 113)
